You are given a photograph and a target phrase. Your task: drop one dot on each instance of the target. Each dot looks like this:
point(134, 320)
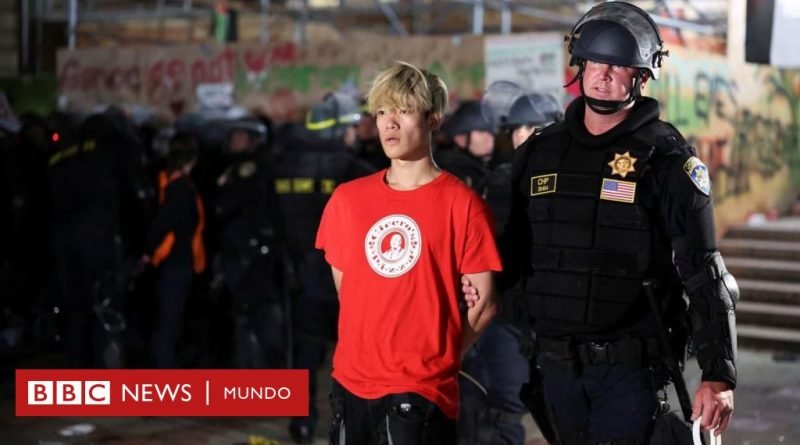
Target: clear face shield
point(497, 101)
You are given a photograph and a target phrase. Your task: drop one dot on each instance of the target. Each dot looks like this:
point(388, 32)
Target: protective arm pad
point(713, 293)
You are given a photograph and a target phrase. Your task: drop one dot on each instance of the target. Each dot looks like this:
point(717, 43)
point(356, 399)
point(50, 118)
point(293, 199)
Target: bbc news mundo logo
point(151, 392)
point(71, 392)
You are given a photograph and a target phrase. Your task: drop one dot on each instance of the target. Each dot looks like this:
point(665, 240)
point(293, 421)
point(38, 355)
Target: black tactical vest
point(498, 194)
point(592, 239)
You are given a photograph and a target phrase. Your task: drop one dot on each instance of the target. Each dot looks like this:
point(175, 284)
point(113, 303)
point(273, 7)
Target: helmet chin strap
point(600, 106)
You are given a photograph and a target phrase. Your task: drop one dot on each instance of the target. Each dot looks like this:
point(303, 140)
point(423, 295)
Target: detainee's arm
point(337, 279)
point(482, 312)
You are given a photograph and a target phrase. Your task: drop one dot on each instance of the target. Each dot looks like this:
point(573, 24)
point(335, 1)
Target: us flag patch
point(620, 191)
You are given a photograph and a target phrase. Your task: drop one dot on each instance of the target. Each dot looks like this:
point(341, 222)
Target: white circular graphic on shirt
point(393, 245)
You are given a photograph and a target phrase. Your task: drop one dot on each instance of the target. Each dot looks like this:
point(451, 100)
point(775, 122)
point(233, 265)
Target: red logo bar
point(150, 392)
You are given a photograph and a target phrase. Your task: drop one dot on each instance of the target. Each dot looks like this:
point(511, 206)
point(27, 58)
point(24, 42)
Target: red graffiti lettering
point(283, 53)
point(198, 72)
point(74, 77)
point(258, 61)
point(255, 62)
point(229, 63)
point(68, 76)
point(176, 72)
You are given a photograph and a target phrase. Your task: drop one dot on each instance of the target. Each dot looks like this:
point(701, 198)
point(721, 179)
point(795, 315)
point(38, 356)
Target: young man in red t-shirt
point(398, 242)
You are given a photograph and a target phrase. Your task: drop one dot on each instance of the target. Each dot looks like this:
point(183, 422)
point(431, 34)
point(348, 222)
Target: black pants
point(85, 258)
point(173, 288)
point(315, 318)
point(397, 419)
point(608, 403)
point(497, 364)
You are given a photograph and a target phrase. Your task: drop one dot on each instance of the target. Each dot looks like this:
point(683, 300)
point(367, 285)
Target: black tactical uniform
point(458, 160)
point(310, 167)
point(593, 217)
point(247, 216)
point(498, 360)
point(94, 171)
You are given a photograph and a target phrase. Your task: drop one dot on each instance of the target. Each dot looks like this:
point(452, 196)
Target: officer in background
point(519, 118)
point(530, 113)
point(25, 265)
point(498, 361)
point(473, 146)
point(95, 172)
point(367, 144)
point(247, 217)
point(312, 164)
point(609, 200)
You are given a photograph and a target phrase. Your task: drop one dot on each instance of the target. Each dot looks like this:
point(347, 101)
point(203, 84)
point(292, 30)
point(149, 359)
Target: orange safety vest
point(198, 248)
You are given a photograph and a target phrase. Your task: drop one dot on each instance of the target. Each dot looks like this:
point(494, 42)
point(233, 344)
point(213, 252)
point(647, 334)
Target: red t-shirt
point(402, 254)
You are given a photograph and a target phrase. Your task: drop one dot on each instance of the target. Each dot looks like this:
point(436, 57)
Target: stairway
point(765, 259)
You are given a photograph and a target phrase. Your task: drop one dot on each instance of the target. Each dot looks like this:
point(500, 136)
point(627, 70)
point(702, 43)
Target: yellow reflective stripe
point(283, 186)
point(56, 158)
point(321, 125)
point(328, 123)
point(303, 185)
point(72, 150)
point(327, 186)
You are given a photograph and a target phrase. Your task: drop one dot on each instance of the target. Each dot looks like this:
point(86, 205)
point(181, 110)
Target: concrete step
point(778, 339)
point(761, 269)
point(768, 314)
point(756, 248)
point(769, 292)
point(784, 229)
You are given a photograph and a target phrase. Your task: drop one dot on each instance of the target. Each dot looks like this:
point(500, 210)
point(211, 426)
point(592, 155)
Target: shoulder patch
point(247, 169)
point(698, 173)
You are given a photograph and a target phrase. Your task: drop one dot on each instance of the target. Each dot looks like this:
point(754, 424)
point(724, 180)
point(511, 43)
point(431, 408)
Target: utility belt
point(632, 352)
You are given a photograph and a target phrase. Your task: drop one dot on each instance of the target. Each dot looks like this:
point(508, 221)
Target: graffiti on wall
point(743, 122)
point(280, 80)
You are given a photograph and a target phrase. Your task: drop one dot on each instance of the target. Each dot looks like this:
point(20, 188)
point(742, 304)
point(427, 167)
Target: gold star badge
point(622, 164)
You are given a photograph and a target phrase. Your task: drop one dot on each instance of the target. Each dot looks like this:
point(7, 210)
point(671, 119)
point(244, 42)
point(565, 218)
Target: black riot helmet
point(512, 106)
point(535, 110)
point(330, 118)
point(617, 33)
point(466, 119)
point(255, 129)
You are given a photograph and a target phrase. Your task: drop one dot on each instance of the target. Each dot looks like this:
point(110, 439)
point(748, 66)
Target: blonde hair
point(404, 85)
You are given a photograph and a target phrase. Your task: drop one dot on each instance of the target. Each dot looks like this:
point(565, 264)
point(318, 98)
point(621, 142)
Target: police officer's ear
point(645, 78)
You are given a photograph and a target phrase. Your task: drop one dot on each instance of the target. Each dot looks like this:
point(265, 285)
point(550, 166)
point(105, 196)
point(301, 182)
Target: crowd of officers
point(128, 244)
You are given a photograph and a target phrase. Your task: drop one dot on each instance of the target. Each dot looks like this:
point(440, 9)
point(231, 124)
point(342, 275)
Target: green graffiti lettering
point(331, 78)
point(296, 78)
point(471, 75)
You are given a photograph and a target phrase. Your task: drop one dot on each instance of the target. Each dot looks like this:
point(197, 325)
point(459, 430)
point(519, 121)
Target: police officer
point(247, 216)
point(311, 166)
point(498, 361)
point(473, 145)
point(611, 209)
point(94, 170)
point(529, 113)
point(367, 145)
